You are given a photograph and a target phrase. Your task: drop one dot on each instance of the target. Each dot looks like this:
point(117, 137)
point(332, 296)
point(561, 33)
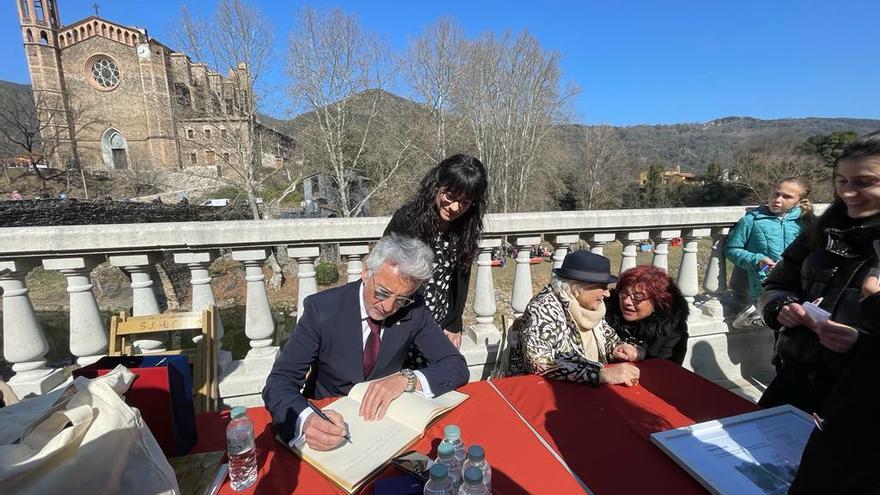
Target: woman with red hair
point(647, 309)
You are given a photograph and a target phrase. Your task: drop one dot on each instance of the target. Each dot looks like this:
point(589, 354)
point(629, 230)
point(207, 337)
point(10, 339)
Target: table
point(602, 432)
point(520, 463)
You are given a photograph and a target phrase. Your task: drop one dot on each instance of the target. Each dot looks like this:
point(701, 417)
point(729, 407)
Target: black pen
point(323, 416)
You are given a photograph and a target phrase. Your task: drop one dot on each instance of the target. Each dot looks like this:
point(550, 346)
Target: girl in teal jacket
point(757, 241)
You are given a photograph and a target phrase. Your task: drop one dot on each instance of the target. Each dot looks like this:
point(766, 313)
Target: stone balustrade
point(715, 351)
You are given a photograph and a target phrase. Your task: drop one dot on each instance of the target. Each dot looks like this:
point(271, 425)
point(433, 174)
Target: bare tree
point(142, 179)
point(38, 128)
point(511, 98)
point(338, 73)
point(593, 178)
point(434, 63)
point(236, 41)
point(758, 165)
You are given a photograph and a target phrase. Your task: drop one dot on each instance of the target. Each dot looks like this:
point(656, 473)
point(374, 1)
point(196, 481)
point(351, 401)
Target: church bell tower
point(40, 23)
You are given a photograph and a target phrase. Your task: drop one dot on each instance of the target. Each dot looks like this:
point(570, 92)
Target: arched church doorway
point(114, 149)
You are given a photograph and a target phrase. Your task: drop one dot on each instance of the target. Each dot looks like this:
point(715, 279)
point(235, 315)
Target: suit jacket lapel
point(351, 332)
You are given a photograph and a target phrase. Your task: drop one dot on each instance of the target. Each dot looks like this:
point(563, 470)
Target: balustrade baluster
point(598, 242)
point(661, 240)
point(305, 258)
point(203, 296)
point(688, 279)
point(354, 255)
point(143, 298)
point(484, 290)
point(24, 343)
point(562, 245)
point(715, 279)
point(631, 241)
point(88, 330)
point(522, 279)
point(259, 325)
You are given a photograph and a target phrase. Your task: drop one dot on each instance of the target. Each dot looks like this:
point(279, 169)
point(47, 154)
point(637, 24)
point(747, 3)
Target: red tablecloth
point(520, 463)
point(604, 432)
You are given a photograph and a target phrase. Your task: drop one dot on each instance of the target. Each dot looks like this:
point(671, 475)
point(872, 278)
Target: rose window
point(106, 73)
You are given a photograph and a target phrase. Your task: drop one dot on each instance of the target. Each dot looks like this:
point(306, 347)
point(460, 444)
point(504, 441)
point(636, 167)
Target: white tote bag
point(89, 441)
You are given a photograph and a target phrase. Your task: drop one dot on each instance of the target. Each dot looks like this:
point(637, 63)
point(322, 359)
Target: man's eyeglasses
point(637, 297)
point(382, 294)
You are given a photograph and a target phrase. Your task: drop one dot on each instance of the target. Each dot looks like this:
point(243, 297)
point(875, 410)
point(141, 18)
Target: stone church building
point(116, 98)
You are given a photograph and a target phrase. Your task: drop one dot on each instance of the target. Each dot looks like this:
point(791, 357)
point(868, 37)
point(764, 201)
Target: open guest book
point(375, 443)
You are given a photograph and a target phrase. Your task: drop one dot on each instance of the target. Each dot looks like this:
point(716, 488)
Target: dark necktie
point(371, 350)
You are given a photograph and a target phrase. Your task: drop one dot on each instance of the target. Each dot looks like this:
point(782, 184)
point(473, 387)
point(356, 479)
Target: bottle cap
point(445, 450)
point(438, 471)
point(473, 476)
point(452, 433)
point(476, 453)
point(238, 412)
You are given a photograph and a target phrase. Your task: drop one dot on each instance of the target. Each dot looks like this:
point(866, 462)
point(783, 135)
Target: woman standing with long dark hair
point(446, 213)
point(826, 265)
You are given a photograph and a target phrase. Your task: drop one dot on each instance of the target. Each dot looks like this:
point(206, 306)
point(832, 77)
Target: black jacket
point(663, 334)
point(833, 268)
point(457, 290)
point(843, 457)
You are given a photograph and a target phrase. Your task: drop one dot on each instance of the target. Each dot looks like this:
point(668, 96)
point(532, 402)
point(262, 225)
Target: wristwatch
point(410, 380)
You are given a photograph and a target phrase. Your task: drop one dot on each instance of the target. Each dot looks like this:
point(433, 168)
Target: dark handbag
point(162, 392)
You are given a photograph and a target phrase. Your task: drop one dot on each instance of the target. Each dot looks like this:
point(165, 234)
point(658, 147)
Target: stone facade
point(118, 98)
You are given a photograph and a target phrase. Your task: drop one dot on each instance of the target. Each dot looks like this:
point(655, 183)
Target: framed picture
point(754, 453)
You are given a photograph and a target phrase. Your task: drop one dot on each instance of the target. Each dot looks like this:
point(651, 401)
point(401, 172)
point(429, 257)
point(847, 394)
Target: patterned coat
point(550, 344)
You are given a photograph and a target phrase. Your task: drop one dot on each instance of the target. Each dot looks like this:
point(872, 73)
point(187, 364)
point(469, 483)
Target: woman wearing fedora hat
point(563, 333)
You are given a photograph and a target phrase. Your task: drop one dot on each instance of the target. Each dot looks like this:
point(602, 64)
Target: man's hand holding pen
point(325, 430)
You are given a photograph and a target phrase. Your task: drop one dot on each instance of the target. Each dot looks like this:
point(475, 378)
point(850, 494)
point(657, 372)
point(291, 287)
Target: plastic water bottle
point(438, 481)
point(473, 483)
point(452, 436)
point(240, 446)
point(446, 457)
point(476, 457)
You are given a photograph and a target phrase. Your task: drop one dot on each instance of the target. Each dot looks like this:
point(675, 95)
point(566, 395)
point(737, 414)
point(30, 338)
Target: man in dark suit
point(358, 332)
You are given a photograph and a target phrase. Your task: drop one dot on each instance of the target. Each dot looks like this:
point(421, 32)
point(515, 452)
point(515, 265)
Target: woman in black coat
point(647, 310)
point(842, 457)
point(446, 213)
point(830, 261)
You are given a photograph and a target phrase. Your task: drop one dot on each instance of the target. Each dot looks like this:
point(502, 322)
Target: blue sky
point(636, 62)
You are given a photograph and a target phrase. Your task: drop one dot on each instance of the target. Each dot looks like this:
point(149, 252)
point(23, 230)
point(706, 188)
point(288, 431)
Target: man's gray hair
point(412, 257)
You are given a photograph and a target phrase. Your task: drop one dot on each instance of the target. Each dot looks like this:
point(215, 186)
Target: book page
point(372, 445)
point(414, 409)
